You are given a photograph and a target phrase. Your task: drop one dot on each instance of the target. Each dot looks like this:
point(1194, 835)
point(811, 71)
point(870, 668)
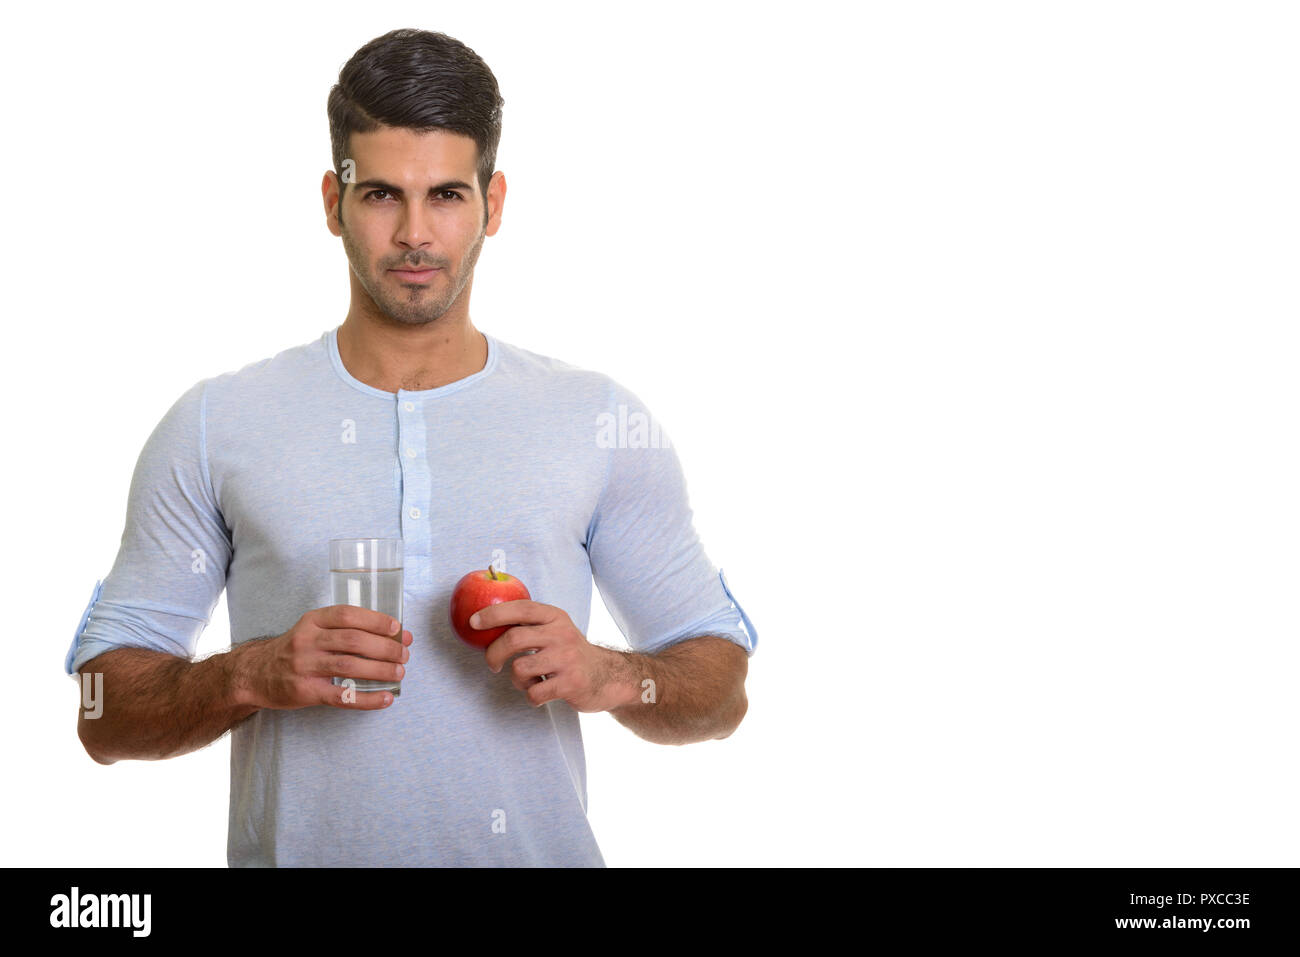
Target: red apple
point(475, 592)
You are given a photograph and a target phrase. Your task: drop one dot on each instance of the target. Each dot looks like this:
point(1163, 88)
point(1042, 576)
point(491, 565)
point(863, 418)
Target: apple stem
point(492, 573)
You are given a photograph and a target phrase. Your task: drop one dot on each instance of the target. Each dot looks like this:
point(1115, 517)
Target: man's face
point(414, 205)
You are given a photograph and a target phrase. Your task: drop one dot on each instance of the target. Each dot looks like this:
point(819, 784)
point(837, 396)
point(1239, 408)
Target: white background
point(974, 325)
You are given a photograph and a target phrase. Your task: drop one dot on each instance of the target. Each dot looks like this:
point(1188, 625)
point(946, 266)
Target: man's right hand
point(294, 670)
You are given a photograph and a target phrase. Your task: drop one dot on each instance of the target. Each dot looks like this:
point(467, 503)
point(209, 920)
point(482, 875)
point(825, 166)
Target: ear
point(331, 193)
point(496, 200)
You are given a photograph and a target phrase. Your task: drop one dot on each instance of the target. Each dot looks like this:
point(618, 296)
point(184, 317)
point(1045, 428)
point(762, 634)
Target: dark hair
point(416, 80)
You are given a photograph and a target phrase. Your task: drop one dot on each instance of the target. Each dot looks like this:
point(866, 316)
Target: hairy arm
point(691, 691)
point(158, 706)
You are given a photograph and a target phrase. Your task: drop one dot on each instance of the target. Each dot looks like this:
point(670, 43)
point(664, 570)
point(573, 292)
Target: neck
point(389, 355)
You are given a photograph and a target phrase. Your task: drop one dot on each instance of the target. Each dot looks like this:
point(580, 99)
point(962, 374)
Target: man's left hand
point(565, 667)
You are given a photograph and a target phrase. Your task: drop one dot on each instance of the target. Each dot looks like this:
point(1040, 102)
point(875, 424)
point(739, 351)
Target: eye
point(452, 193)
point(375, 192)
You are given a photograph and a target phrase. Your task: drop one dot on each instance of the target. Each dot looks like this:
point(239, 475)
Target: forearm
point(158, 706)
point(691, 691)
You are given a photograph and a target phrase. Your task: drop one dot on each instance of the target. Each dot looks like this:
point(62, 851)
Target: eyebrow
point(389, 187)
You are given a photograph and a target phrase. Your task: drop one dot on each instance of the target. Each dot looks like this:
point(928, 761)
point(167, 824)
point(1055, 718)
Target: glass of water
point(367, 572)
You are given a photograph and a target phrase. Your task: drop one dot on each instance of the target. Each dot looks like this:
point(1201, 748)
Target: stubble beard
point(418, 305)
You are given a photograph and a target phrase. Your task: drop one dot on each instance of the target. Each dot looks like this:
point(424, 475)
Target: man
point(407, 422)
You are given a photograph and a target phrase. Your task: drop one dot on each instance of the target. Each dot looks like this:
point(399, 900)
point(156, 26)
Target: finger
point(521, 611)
point(341, 696)
point(528, 669)
point(364, 619)
point(517, 639)
point(350, 666)
point(541, 692)
point(363, 643)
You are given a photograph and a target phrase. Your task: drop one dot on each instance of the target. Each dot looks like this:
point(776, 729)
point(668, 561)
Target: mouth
point(414, 275)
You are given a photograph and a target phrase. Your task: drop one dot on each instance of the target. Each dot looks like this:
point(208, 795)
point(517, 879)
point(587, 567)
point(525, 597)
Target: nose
point(413, 230)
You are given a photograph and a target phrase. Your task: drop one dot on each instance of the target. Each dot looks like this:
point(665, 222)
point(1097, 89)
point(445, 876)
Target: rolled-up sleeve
point(175, 551)
point(646, 559)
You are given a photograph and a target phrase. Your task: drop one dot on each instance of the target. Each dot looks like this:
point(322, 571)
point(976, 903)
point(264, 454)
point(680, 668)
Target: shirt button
point(410, 407)
point(410, 452)
point(415, 513)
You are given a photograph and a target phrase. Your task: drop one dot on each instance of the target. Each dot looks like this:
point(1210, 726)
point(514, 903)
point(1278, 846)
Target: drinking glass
point(367, 572)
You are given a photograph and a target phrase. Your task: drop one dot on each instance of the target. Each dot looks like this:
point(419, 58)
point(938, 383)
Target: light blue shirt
point(559, 471)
